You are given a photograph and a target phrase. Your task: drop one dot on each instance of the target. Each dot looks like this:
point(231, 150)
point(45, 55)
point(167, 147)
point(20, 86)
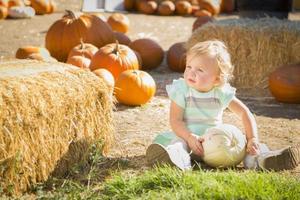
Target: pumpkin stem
point(116, 49)
point(71, 14)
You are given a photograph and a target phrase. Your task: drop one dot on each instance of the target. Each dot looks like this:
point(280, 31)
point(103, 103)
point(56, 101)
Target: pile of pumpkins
point(25, 8)
point(180, 7)
point(90, 42)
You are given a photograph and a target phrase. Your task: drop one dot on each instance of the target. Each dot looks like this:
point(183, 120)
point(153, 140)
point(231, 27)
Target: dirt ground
point(278, 124)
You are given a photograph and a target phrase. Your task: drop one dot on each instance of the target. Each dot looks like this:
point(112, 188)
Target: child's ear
point(218, 81)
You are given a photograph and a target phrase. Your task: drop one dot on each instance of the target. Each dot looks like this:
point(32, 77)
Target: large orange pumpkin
point(134, 87)
point(83, 49)
point(116, 58)
point(151, 52)
point(176, 57)
point(119, 22)
point(67, 32)
point(284, 83)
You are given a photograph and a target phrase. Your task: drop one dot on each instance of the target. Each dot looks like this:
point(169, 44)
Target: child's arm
point(180, 129)
point(249, 123)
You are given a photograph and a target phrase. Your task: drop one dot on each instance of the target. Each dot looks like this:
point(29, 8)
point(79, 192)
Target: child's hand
point(195, 144)
point(252, 146)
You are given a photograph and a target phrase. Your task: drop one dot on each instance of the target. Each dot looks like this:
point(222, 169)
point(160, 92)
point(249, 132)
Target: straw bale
point(51, 113)
point(257, 46)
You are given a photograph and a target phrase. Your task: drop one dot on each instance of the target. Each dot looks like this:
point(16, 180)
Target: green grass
point(167, 183)
point(170, 183)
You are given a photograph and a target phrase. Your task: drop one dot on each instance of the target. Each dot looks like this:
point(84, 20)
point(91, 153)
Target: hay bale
point(257, 47)
point(50, 115)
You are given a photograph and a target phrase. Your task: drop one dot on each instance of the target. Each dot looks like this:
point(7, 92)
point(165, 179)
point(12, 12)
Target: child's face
point(202, 72)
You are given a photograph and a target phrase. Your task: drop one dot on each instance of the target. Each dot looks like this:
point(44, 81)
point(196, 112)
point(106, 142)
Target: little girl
point(197, 103)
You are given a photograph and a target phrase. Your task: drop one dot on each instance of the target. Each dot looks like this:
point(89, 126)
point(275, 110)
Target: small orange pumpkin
point(166, 8)
point(42, 7)
point(24, 52)
point(79, 61)
point(12, 3)
point(284, 83)
point(119, 22)
point(83, 49)
point(183, 8)
point(148, 7)
point(134, 87)
point(176, 57)
point(106, 75)
point(116, 58)
point(151, 52)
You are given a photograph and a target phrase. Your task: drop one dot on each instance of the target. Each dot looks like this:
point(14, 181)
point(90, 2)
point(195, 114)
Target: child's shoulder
point(226, 89)
point(178, 84)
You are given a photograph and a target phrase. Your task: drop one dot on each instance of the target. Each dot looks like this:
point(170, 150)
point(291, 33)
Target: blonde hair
point(219, 50)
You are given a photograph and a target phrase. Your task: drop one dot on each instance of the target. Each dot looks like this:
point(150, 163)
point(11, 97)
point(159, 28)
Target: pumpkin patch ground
point(278, 123)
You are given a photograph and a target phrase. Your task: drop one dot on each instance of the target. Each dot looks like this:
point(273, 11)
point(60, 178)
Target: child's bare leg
point(173, 152)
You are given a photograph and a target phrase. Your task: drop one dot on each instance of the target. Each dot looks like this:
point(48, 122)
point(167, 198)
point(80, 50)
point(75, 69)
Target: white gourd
point(224, 146)
point(21, 12)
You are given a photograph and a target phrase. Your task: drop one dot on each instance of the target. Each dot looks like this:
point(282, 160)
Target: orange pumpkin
point(24, 52)
point(12, 3)
point(151, 52)
point(166, 8)
point(183, 8)
point(67, 32)
point(3, 12)
point(284, 83)
point(129, 4)
point(83, 49)
point(79, 61)
point(106, 75)
point(176, 57)
point(213, 6)
point(200, 21)
point(42, 7)
point(148, 7)
point(119, 22)
point(122, 38)
point(134, 87)
point(116, 58)
point(4, 3)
